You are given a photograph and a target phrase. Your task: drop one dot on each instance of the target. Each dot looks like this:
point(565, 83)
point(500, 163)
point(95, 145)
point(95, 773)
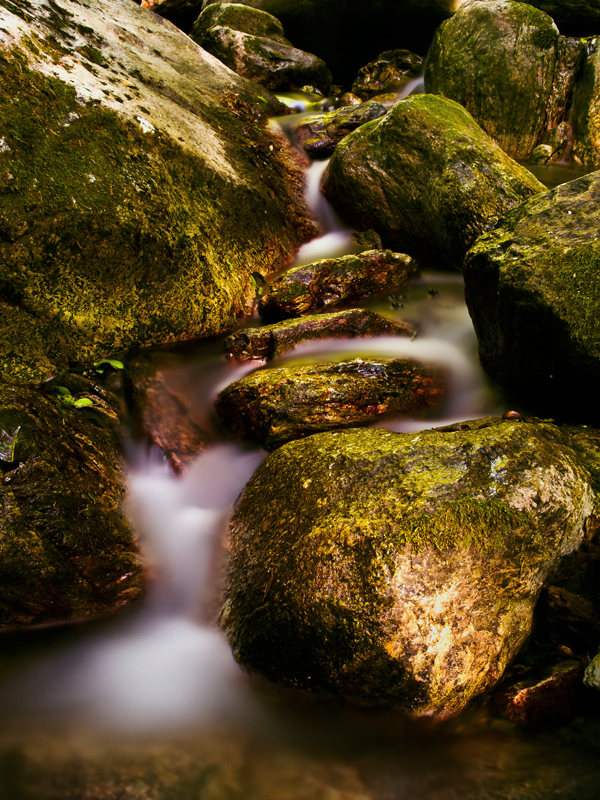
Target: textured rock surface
point(140, 186)
point(332, 281)
point(533, 291)
point(507, 65)
point(551, 697)
point(272, 407)
point(66, 549)
point(426, 177)
point(272, 341)
point(390, 72)
point(320, 135)
point(239, 17)
point(401, 568)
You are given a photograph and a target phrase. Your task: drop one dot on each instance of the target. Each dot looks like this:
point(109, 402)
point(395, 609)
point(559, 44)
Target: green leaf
point(112, 362)
point(83, 401)
point(62, 391)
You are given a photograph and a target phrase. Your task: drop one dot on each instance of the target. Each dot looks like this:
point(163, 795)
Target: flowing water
point(162, 679)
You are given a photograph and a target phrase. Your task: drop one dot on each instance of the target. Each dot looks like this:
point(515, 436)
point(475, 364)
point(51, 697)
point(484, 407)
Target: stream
point(154, 695)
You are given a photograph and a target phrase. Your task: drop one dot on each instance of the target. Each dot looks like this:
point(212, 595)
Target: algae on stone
point(334, 587)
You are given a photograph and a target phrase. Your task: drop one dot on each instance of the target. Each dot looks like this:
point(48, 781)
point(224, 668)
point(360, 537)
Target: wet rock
point(238, 17)
point(332, 281)
point(136, 212)
point(540, 154)
point(507, 65)
point(66, 549)
point(539, 700)
point(164, 413)
point(349, 99)
point(532, 291)
point(426, 177)
point(320, 135)
point(405, 567)
point(581, 131)
point(389, 73)
point(591, 677)
point(272, 407)
point(573, 17)
point(272, 341)
point(273, 63)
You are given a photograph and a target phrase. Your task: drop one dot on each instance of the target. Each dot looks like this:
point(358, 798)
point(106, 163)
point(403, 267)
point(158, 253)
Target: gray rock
point(401, 568)
point(238, 17)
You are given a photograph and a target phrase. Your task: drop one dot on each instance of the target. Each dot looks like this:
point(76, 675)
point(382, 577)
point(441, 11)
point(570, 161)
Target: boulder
point(67, 550)
point(549, 697)
point(573, 17)
point(532, 289)
point(426, 177)
point(238, 17)
point(390, 72)
point(275, 406)
point(320, 135)
point(271, 341)
point(507, 65)
point(274, 64)
point(140, 186)
point(332, 281)
point(402, 568)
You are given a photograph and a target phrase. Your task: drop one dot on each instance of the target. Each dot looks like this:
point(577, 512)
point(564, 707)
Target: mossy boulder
point(532, 287)
point(332, 281)
point(275, 406)
point(573, 17)
point(507, 65)
point(238, 17)
point(67, 550)
point(140, 186)
point(271, 341)
point(276, 65)
point(427, 178)
point(389, 72)
point(321, 134)
point(401, 568)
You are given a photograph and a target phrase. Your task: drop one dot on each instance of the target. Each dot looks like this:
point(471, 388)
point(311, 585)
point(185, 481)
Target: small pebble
point(511, 415)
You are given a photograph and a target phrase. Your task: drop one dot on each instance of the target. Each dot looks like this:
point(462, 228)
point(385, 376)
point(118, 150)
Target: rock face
point(507, 65)
point(573, 17)
point(532, 289)
point(140, 186)
point(272, 341)
point(66, 549)
point(426, 177)
point(401, 568)
point(390, 72)
point(320, 135)
point(551, 697)
point(272, 407)
point(336, 280)
point(252, 43)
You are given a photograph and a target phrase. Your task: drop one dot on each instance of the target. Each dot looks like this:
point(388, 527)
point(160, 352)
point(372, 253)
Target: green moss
point(94, 55)
point(544, 37)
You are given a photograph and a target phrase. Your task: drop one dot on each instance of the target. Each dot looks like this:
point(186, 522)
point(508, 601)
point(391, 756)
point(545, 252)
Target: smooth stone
point(239, 17)
point(275, 406)
point(319, 136)
point(332, 281)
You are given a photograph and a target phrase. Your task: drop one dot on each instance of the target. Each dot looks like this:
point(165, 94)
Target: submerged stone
point(532, 287)
point(272, 341)
point(66, 548)
point(426, 177)
point(320, 135)
point(132, 209)
point(332, 281)
point(401, 568)
point(272, 407)
point(507, 65)
point(389, 73)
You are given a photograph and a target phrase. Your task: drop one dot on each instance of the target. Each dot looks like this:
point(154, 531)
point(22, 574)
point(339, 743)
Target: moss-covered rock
point(507, 65)
point(272, 407)
point(321, 134)
point(401, 568)
point(332, 281)
point(238, 17)
point(139, 185)
point(274, 64)
point(389, 73)
point(271, 341)
point(66, 548)
point(573, 17)
point(533, 292)
point(426, 177)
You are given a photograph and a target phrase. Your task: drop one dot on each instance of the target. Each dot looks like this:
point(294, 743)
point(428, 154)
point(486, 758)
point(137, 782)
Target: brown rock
point(550, 697)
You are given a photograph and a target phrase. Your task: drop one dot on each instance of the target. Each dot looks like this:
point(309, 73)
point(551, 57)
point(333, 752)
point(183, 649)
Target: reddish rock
point(550, 697)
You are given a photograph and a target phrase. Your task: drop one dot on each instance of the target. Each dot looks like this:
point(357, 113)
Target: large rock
point(573, 17)
point(321, 134)
point(140, 185)
point(332, 281)
point(271, 341)
point(401, 568)
point(272, 407)
point(533, 292)
point(389, 72)
point(426, 177)
point(239, 17)
point(66, 549)
point(507, 65)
